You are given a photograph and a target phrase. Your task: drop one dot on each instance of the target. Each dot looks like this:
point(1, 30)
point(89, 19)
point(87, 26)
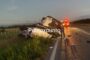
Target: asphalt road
point(80, 44)
point(74, 47)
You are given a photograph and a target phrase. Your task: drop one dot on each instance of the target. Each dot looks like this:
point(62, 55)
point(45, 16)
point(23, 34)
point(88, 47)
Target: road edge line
point(52, 57)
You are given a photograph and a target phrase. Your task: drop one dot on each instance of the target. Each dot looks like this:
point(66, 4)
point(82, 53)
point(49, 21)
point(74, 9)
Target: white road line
point(52, 57)
point(63, 57)
point(78, 29)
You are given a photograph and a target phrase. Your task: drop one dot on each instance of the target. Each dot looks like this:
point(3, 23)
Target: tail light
point(66, 24)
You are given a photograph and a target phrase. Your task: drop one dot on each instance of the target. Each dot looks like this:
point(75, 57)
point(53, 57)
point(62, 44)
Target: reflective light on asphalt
point(78, 29)
point(50, 47)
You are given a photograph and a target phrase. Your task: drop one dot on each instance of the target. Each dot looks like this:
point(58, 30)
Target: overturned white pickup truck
point(35, 32)
point(39, 30)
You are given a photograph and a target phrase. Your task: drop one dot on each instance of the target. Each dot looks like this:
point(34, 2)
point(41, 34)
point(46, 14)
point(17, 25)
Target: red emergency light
point(66, 22)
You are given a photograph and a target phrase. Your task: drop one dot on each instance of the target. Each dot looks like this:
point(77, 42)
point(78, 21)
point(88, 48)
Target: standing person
point(62, 29)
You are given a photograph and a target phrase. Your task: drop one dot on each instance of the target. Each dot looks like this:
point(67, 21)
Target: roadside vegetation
point(13, 47)
point(85, 21)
